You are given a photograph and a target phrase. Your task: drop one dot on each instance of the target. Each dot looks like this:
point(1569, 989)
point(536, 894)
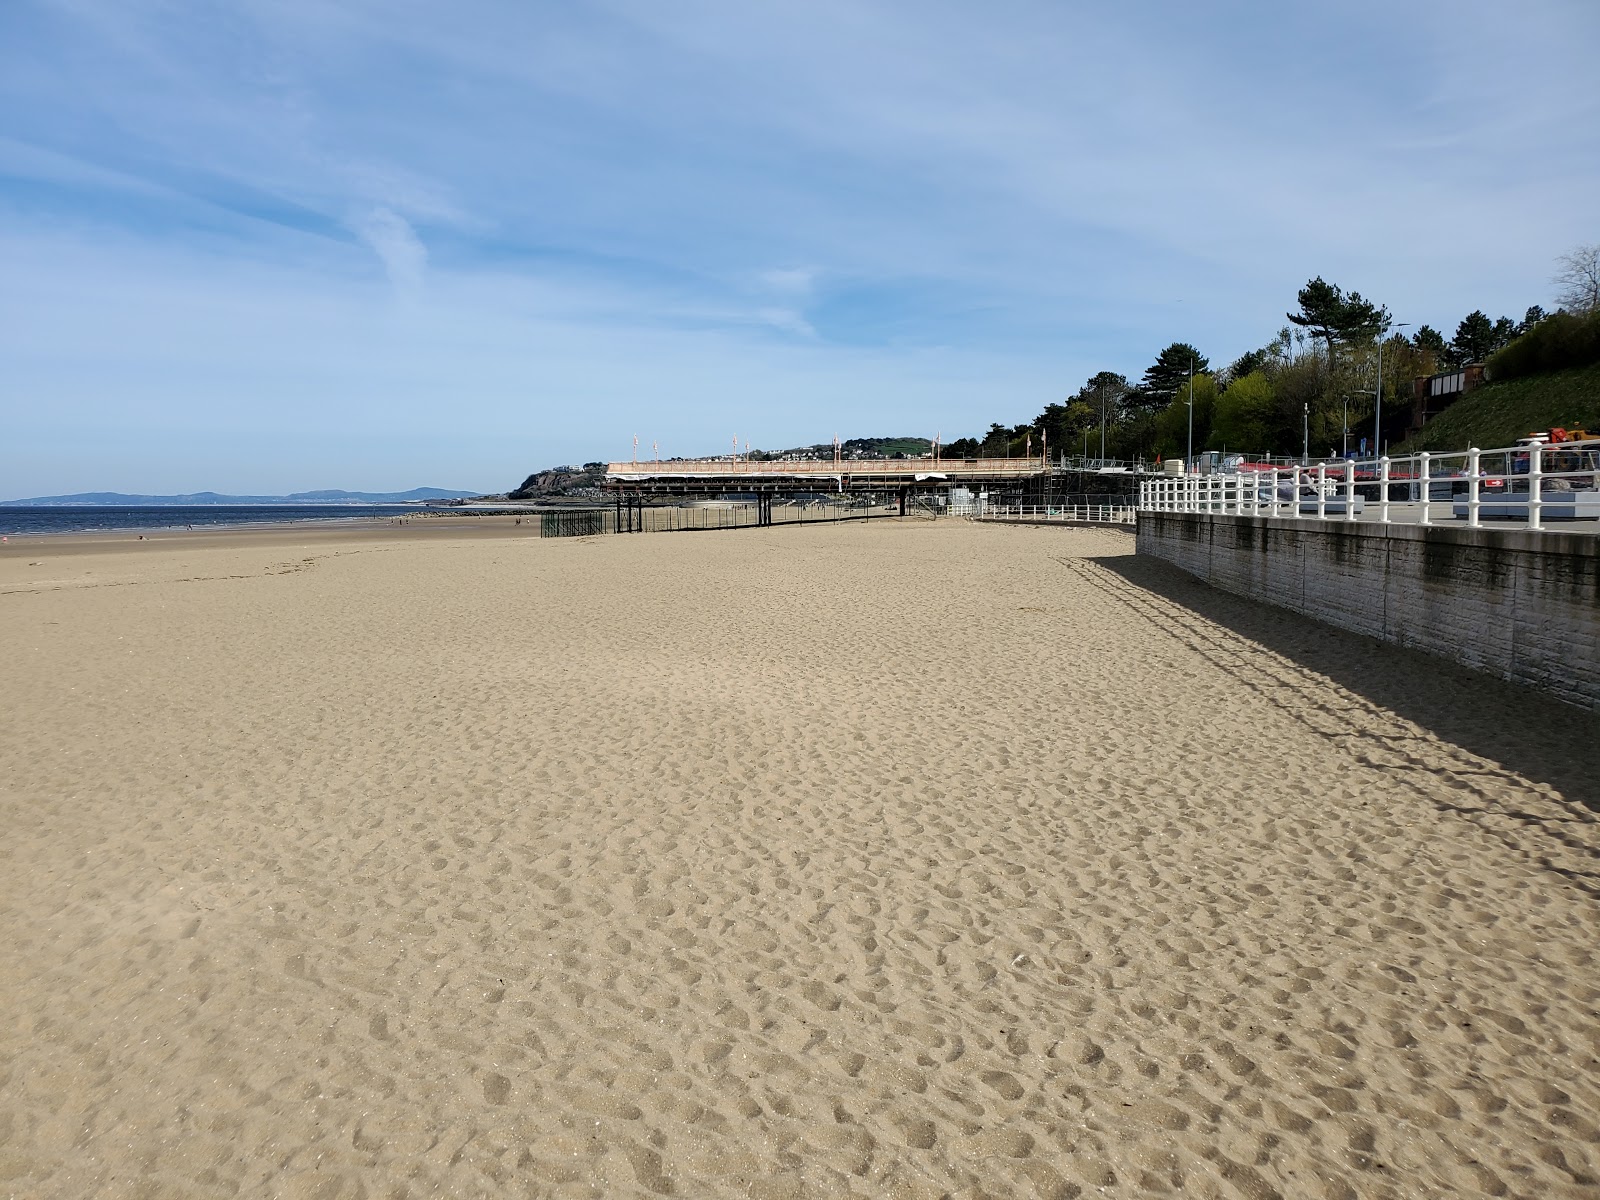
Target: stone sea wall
point(1524, 606)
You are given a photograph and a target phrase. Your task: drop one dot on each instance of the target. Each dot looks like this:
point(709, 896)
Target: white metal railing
point(1108, 514)
point(1533, 483)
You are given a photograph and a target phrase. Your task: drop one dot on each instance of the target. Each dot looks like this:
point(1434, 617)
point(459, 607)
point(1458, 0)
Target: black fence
point(582, 522)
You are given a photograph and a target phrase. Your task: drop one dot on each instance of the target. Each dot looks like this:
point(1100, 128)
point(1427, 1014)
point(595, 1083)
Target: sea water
point(97, 518)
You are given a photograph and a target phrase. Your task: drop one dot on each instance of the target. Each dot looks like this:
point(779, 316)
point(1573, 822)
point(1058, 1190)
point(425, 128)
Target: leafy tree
point(1162, 377)
point(1431, 341)
point(1363, 320)
point(1505, 332)
point(1171, 433)
point(1133, 437)
point(1244, 415)
point(1104, 386)
point(1321, 310)
point(1327, 313)
point(996, 442)
point(1577, 279)
point(1301, 384)
point(960, 448)
point(1105, 392)
point(1474, 340)
point(1250, 362)
point(1066, 423)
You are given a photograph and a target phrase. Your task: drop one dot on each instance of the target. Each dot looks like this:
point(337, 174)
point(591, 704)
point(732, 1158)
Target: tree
point(1321, 311)
point(1327, 313)
point(1505, 331)
point(1065, 423)
point(1474, 340)
point(1106, 393)
point(1172, 423)
point(1249, 363)
point(1532, 317)
point(1430, 341)
point(1244, 415)
point(996, 442)
point(1577, 279)
point(1162, 377)
point(1362, 320)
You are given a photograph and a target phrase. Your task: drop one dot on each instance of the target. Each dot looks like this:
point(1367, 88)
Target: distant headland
point(200, 499)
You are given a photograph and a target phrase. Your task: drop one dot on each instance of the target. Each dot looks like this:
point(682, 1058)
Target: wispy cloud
point(397, 245)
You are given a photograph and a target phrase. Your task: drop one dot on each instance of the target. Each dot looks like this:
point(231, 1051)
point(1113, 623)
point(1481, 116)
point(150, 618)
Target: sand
point(911, 859)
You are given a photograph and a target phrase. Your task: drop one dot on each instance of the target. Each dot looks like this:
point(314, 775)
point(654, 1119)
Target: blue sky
point(267, 245)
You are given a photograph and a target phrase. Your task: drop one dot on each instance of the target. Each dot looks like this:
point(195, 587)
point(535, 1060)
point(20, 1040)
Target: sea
point(105, 518)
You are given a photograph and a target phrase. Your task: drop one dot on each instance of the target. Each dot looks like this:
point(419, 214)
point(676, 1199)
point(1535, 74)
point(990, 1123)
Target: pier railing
point(1531, 484)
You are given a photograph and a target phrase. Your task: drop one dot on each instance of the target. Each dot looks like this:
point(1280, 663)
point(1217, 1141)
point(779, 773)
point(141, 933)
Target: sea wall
point(1524, 606)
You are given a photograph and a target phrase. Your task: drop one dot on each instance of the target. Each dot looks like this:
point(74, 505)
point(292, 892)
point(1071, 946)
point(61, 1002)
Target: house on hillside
point(1432, 394)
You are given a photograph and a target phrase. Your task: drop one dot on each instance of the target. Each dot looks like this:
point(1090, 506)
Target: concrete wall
point(1520, 605)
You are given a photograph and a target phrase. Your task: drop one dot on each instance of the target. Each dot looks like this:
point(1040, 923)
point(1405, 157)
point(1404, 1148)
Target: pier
point(1025, 480)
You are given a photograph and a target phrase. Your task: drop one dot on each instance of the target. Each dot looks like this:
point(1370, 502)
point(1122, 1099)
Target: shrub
point(1559, 341)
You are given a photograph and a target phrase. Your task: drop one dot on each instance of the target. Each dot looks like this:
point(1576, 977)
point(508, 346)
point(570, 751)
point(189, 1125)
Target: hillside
point(1497, 414)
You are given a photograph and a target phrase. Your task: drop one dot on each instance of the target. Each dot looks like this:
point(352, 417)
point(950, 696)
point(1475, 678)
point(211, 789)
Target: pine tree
point(1163, 377)
point(1474, 340)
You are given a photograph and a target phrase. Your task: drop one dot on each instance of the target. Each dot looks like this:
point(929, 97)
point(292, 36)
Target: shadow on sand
point(1524, 735)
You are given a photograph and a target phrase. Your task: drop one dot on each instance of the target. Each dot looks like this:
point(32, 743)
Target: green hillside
point(1500, 413)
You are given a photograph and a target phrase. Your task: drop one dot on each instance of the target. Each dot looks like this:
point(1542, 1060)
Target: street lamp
point(1189, 462)
point(1102, 424)
point(1377, 407)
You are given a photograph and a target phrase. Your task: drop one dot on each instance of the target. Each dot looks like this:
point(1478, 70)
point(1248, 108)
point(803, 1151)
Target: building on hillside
point(1432, 394)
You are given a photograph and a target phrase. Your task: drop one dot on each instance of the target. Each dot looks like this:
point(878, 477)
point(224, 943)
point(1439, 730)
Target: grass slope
point(1499, 413)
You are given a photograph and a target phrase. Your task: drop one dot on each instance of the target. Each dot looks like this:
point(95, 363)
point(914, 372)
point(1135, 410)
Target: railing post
point(1322, 493)
point(1349, 490)
point(1425, 475)
point(1535, 486)
point(1473, 475)
point(1383, 489)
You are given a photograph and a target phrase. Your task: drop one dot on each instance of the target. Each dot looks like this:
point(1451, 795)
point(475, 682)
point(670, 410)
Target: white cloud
point(790, 281)
point(786, 319)
point(397, 245)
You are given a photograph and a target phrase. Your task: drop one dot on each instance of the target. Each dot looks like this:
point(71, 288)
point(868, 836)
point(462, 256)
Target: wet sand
point(901, 859)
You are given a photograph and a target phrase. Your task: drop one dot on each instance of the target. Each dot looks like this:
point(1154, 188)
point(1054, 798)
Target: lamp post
point(1189, 462)
point(1102, 424)
point(1305, 450)
point(1346, 449)
point(1377, 407)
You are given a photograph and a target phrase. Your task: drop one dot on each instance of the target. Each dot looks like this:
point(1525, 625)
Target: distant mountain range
point(198, 499)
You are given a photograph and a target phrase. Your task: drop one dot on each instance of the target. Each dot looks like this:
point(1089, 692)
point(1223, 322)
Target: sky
point(260, 246)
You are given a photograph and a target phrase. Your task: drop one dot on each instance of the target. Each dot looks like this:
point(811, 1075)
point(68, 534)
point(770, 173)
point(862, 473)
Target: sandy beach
point(904, 859)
